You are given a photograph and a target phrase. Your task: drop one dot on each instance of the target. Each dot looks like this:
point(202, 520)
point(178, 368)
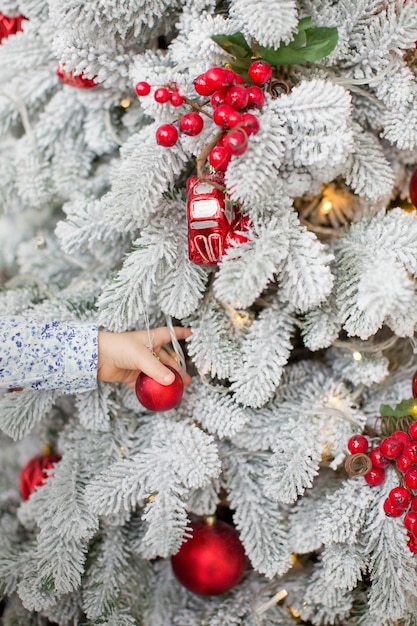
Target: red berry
point(191, 124)
point(413, 431)
point(219, 158)
point(400, 497)
point(256, 97)
point(410, 451)
point(410, 478)
point(236, 142)
point(162, 95)
point(414, 383)
point(218, 78)
point(375, 476)
point(413, 190)
point(378, 459)
point(391, 448)
point(217, 98)
point(226, 116)
point(201, 86)
point(260, 72)
point(251, 124)
point(413, 504)
point(412, 543)
point(410, 522)
point(235, 78)
point(357, 444)
point(401, 436)
point(390, 510)
point(176, 99)
point(403, 463)
point(166, 135)
point(237, 97)
point(142, 88)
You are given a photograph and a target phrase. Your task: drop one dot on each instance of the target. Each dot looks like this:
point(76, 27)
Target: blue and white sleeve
point(53, 355)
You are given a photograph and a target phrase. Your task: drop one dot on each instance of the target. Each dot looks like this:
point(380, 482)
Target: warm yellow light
point(125, 103)
point(293, 612)
point(326, 206)
point(357, 356)
point(240, 319)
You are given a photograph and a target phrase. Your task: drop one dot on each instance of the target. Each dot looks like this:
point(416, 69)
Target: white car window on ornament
point(204, 208)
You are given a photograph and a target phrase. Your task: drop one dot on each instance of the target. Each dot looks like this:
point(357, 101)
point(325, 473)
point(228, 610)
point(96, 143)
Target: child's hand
point(122, 356)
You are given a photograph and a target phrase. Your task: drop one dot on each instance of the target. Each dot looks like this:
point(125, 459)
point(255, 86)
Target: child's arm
point(71, 355)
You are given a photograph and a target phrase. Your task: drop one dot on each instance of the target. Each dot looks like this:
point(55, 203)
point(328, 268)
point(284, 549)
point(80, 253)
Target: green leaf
point(405, 407)
point(235, 45)
point(319, 42)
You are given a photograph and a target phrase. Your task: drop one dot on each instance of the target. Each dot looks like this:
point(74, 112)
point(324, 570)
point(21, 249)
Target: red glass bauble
point(33, 474)
point(10, 25)
point(157, 397)
point(75, 80)
point(212, 561)
point(413, 188)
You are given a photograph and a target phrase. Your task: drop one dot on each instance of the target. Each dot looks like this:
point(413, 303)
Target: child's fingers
point(161, 336)
point(168, 360)
point(155, 368)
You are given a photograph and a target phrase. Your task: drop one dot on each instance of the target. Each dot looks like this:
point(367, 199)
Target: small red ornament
point(236, 142)
point(176, 99)
point(256, 97)
point(237, 96)
point(410, 451)
point(390, 510)
point(212, 561)
point(413, 198)
point(250, 123)
point(142, 88)
point(401, 436)
point(10, 25)
point(219, 158)
point(377, 458)
point(75, 80)
point(157, 397)
point(413, 431)
point(400, 497)
point(410, 478)
point(375, 476)
point(162, 95)
point(218, 78)
point(166, 135)
point(191, 124)
point(391, 448)
point(403, 463)
point(357, 444)
point(260, 72)
point(225, 116)
point(33, 474)
point(201, 87)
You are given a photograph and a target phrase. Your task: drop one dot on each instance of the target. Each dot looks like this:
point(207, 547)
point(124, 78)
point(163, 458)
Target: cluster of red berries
point(230, 99)
point(401, 448)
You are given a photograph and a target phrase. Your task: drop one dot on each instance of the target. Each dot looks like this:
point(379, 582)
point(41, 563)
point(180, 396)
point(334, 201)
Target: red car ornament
point(214, 221)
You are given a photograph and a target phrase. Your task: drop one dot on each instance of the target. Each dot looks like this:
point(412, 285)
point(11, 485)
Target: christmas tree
point(244, 169)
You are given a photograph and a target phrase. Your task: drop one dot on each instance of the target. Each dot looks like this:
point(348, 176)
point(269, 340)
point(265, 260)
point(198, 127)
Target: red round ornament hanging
point(10, 25)
point(212, 561)
point(34, 473)
point(157, 397)
point(75, 80)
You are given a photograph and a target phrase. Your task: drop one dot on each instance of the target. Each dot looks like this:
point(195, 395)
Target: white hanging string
point(175, 344)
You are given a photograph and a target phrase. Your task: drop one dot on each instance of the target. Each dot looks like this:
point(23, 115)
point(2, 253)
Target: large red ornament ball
point(212, 561)
point(33, 474)
point(74, 80)
point(10, 25)
point(157, 397)
point(413, 188)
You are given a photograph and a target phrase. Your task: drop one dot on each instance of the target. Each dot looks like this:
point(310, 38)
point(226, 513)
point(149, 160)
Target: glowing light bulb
point(357, 356)
point(326, 206)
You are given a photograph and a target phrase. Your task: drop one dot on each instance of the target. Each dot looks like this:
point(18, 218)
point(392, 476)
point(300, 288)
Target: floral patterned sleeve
point(53, 355)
